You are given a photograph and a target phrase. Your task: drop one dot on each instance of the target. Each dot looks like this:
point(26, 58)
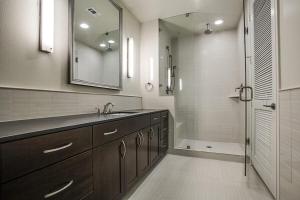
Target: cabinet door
point(132, 142)
point(143, 152)
point(164, 134)
point(109, 170)
point(154, 143)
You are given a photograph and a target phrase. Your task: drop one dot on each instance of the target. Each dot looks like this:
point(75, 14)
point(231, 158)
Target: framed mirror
point(95, 43)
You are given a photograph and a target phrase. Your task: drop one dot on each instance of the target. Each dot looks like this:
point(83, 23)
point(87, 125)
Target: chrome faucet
point(106, 108)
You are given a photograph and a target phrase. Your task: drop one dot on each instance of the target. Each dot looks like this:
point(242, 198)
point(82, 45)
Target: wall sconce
point(46, 25)
point(180, 84)
point(149, 85)
point(130, 57)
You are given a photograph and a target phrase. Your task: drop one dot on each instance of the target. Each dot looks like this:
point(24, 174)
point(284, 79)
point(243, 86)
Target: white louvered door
point(264, 103)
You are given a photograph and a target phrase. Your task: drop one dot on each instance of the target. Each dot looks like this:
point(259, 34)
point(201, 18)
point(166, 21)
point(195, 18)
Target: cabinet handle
point(143, 139)
point(152, 133)
point(58, 149)
point(112, 132)
point(155, 118)
point(124, 146)
point(139, 140)
point(59, 190)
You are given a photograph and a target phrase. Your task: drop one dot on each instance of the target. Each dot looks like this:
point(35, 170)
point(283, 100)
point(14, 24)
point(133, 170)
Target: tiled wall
point(209, 68)
point(28, 104)
point(290, 145)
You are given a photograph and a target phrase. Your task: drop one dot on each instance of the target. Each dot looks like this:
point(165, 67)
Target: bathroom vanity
point(80, 157)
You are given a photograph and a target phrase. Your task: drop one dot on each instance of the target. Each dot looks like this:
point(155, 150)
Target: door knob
point(272, 106)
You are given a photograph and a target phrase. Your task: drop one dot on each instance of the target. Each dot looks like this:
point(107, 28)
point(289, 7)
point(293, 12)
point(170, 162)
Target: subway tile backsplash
point(18, 104)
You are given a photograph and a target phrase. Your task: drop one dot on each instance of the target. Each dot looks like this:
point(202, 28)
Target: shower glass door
point(202, 65)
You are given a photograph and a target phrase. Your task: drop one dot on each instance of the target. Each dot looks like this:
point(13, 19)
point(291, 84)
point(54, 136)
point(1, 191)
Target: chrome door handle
point(152, 133)
point(58, 149)
point(139, 140)
point(112, 132)
point(59, 190)
point(143, 139)
point(272, 106)
point(241, 93)
point(124, 146)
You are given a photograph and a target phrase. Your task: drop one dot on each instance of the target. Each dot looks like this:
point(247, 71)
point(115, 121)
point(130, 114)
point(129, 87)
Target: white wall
point(149, 50)
point(22, 65)
point(89, 60)
point(209, 66)
point(289, 16)
point(111, 72)
point(289, 97)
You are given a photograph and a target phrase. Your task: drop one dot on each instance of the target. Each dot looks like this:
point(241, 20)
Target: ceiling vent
point(93, 12)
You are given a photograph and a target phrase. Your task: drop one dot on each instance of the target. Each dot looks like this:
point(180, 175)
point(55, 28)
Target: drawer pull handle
point(58, 149)
point(112, 132)
point(59, 190)
point(156, 118)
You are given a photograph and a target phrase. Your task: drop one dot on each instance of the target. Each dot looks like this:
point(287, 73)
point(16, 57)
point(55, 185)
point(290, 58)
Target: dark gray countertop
point(15, 130)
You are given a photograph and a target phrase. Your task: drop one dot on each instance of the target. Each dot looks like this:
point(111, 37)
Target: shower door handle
point(242, 88)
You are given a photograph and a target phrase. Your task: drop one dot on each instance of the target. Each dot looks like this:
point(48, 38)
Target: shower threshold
point(212, 147)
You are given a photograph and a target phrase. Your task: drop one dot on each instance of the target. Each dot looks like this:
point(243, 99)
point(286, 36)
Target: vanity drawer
point(155, 118)
point(24, 156)
point(69, 179)
point(106, 132)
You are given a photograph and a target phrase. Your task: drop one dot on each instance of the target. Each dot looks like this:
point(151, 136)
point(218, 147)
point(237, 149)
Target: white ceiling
point(146, 10)
point(196, 23)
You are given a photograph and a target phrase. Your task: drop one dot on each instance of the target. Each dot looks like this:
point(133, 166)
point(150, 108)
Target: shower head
point(208, 29)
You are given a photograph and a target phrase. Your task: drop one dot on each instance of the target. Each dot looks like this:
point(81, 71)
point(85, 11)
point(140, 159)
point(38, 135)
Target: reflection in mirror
point(96, 43)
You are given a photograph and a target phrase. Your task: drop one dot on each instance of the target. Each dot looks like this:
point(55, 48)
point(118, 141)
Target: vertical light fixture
point(46, 25)
point(180, 84)
point(149, 84)
point(130, 57)
point(151, 69)
point(169, 78)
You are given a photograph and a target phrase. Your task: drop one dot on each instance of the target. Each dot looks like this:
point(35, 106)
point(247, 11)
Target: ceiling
point(146, 10)
point(196, 23)
point(103, 25)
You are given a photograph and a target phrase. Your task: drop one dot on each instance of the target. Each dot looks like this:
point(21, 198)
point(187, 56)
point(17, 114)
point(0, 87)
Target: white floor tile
point(190, 178)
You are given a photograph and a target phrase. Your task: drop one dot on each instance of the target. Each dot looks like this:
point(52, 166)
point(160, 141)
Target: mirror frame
point(72, 79)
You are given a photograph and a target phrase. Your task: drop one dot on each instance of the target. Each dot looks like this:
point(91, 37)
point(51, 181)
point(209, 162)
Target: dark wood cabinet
point(97, 162)
point(132, 142)
point(154, 143)
point(143, 152)
point(164, 133)
point(70, 179)
point(24, 156)
point(108, 168)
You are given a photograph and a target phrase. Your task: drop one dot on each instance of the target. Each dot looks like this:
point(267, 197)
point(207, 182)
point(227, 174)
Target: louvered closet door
point(264, 105)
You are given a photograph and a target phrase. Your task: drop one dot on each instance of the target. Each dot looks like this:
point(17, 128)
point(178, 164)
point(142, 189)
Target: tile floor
point(190, 178)
point(217, 147)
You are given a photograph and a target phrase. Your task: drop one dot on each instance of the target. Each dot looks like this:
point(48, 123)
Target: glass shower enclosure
point(202, 65)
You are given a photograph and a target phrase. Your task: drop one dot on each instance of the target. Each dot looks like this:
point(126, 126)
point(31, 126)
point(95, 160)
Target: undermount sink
point(121, 113)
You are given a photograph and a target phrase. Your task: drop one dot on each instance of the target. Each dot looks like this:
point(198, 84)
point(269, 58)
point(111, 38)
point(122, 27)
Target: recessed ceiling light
point(219, 22)
point(84, 26)
point(102, 45)
point(111, 41)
